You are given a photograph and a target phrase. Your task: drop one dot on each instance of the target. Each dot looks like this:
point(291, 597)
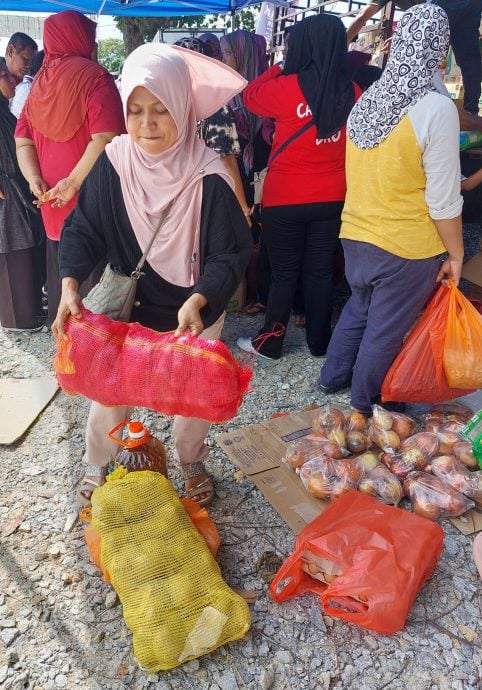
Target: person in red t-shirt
point(72, 112)
point(305, 187)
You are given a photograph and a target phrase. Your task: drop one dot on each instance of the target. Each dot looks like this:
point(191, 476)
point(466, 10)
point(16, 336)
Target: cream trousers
point(189, 433)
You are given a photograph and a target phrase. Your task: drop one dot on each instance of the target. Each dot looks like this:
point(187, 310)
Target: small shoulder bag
point(115, 293)
point(259, 177)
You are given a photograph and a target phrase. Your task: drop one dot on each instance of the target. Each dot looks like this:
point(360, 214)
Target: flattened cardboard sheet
point(21, 402)
point(472, 270)
point(470, 523)
point(258, 451)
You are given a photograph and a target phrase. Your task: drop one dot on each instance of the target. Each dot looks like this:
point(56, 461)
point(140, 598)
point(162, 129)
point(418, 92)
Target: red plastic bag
point(199, 517)
point(417, 373)
point(383, 556)
point(463, 343)
point(118, 363)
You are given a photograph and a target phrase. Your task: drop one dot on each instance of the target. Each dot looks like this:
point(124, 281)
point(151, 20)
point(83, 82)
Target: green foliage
point(139, 30)
point(246, 19)
point(111, 54)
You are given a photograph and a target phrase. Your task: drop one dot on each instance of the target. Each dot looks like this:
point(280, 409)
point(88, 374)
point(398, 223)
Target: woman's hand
point(69, 304)
point(387, 46)
point(189, 317)
point(38, 187)
point(63, 192)
point(451, 269)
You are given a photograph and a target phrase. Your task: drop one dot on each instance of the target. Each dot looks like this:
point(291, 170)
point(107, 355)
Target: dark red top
point(309, 170)
point(58, 158)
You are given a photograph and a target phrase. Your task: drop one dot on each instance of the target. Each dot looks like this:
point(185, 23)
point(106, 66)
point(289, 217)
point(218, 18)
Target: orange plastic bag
point(199, 517)
point(462, 357)
point(417, 373)
point(376, 559)
point(203, 523)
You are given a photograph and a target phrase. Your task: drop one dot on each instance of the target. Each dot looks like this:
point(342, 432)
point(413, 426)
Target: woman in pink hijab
point(201, 251)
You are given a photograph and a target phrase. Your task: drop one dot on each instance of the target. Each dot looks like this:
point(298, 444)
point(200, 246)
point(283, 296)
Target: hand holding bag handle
point(115, 293)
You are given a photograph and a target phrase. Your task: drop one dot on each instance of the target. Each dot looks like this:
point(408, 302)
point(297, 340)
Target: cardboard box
point(472, 270)
point(258, 451)
point(238, 300)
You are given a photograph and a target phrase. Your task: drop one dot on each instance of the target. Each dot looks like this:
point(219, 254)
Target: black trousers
point(21, 280)
point(464, 37)
point(301, 240)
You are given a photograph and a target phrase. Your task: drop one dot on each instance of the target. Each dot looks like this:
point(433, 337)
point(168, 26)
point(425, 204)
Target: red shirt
point(58, 159)
point(309, 170)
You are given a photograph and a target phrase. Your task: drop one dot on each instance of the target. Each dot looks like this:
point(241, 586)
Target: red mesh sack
point(417, 373)
point(366, 560)
point(119, 363)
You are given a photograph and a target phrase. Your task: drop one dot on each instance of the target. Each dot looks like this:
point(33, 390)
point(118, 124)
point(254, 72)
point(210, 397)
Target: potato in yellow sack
point(174, 598)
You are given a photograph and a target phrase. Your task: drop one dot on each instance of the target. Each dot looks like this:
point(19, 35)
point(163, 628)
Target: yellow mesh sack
point(174, 598)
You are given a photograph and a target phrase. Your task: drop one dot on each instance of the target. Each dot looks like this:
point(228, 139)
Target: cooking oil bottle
point(139, 450)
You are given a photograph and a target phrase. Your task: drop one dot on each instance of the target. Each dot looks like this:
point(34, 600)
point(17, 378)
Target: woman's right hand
point(451, 269)
point(69, 304)
point(39, 188)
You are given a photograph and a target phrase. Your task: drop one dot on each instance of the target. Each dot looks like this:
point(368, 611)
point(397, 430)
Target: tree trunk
point(132, 33)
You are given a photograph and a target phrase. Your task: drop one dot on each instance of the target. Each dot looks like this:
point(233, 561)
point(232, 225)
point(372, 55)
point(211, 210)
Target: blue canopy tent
point(130, 8)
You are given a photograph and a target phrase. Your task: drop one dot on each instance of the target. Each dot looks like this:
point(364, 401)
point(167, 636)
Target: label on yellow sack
point(205, 633)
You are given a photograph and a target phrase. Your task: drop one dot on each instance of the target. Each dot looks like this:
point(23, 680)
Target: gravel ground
point(61, 627)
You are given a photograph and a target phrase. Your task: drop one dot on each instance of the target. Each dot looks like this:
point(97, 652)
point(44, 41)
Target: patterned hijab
point(249, 50)
point(419, 46)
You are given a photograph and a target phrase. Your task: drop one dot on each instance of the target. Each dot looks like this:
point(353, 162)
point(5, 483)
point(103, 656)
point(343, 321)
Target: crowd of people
point(345, 151)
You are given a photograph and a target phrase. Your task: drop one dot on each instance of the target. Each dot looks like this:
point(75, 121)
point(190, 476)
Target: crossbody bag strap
point(18, 190)
point(137, 272)
point(288, 141)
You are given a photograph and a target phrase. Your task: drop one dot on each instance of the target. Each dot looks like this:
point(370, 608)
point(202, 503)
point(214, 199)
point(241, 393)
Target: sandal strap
point(95, 471)
point(89, 482)
point(204, 487)
point(193, 469)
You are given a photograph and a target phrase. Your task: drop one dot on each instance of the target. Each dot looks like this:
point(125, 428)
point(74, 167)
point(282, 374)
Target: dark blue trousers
point(388, 293)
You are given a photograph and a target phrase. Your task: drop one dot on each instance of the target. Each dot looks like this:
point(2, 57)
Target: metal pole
point(102, 5)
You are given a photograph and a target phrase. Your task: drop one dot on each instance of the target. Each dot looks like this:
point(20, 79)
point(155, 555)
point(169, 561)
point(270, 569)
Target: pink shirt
point(57, 159)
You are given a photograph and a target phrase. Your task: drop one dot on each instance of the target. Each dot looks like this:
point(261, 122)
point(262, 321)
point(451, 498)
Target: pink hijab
point(192, 87)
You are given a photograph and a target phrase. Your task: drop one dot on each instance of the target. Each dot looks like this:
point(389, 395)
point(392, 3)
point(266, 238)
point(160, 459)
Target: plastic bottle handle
point(116, 428)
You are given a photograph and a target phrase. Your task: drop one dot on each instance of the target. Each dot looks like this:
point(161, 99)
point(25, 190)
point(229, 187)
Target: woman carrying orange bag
point(402, 209)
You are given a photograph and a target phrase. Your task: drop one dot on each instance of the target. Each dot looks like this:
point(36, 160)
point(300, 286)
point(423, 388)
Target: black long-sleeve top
point(99, 227)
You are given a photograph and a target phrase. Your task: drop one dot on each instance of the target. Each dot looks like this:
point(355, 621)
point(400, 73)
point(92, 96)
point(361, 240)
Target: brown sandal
point(206, 486)
point(256, 308)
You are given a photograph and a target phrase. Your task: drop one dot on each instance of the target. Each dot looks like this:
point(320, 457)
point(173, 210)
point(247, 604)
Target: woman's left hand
point(63, 192)
point(189, 317)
